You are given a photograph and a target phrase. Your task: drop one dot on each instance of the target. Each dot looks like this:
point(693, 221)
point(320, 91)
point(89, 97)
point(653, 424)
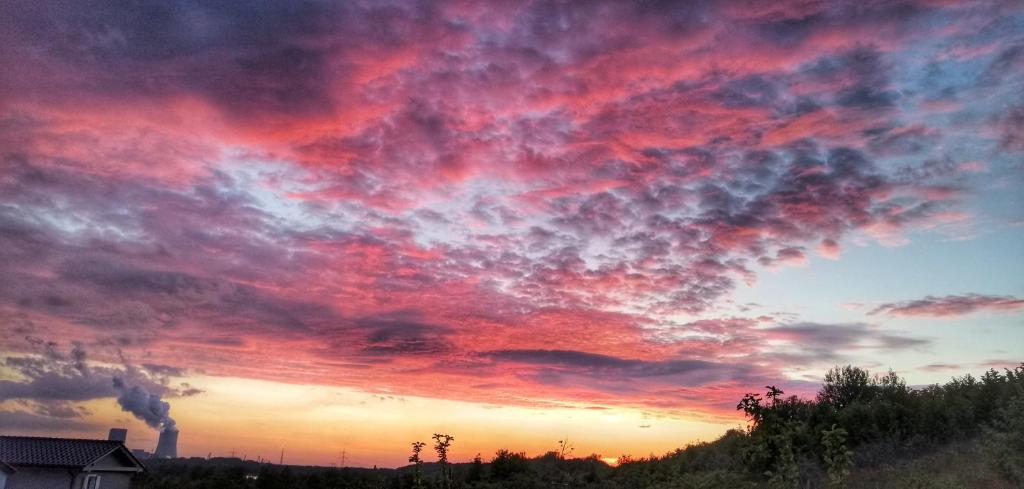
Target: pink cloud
point(830, 249)
point(393, 197)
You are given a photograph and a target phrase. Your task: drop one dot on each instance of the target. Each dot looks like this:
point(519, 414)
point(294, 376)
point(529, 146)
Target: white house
point(45, 463)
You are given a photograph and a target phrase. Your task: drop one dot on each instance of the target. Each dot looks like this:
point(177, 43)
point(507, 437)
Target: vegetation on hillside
point(861, 430)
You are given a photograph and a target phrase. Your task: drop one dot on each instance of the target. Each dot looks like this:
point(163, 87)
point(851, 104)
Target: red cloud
point(525, 196)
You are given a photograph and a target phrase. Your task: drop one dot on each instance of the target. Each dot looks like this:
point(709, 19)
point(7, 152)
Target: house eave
point(112, 469)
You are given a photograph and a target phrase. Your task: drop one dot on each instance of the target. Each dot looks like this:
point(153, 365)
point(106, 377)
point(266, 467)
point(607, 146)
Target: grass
point(955, 466)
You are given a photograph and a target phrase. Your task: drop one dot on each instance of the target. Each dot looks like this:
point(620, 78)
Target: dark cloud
point(55, 376)
point(752, 91)
point(60, 409)
point(16, 421)
point(103, 286)
point(55, 386)
point(163, 371)
point(942, 367)
point(615, 367)
point(928, 170)
point(250, 61)
point(1010, 61)
point(860, 77)
point(784, 255)
point(950, 305)
point(392, 336)
point(816, 342)
point(904, 141)
point(187, 390)
point(1009, 126)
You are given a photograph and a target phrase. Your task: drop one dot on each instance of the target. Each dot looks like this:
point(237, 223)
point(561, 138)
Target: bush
point(836, 456)
point(1004, 441)
point(507, 464)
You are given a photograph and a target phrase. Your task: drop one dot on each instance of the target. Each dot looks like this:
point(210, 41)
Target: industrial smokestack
point(118, 434)
point(167, 445)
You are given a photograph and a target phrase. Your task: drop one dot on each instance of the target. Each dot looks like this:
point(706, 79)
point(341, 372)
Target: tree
point(751, 406)
point(417, 470)
point(506, 464)
point(564, 448)
point(845, 385)
point(476, 470)
point(774, 393)
point(442, 442)
point(1004, 440)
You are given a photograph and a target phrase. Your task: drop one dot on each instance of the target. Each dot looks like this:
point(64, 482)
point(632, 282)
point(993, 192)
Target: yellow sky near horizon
point(314, 424)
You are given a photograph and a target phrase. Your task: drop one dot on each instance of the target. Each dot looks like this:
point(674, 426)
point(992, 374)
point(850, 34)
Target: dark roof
point(56, 452)
point(6, 468)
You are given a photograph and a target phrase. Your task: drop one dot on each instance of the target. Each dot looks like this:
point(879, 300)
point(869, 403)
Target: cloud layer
point(526, 202)
point(950, 305)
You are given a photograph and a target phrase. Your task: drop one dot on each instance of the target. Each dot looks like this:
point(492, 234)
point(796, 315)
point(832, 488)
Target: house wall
point(3, 480)
point(106, 468)
point(108, 480)
point(39, 478)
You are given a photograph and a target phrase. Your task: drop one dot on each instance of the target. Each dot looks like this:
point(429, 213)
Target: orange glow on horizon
point(313, 424)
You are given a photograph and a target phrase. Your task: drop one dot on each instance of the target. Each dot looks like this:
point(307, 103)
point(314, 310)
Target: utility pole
point(343, 453)
point(281, 461)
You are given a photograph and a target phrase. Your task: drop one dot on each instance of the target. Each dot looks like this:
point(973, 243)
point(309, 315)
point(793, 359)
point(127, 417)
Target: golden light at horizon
point(314, 424)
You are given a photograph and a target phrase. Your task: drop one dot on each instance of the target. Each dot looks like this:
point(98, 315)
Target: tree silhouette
point(844, 386)
point(476, 470)
point(751, 406)
point(773, 393)
point(417, 471)
point(507, 464)
point(564, 448)
point(442, 442)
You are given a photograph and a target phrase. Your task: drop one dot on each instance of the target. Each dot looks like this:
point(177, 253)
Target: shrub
point(1004, 441)
point(836, 456)
point(785, 473)
point(507, 464)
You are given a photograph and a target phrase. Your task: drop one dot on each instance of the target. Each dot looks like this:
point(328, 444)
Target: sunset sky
point(328, 226)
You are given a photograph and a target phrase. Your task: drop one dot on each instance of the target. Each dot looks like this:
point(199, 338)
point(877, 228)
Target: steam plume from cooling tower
point(144, 405)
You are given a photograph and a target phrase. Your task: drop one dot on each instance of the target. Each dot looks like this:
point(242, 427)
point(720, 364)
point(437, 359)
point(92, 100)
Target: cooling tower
point(167, 446)
point(118, 434)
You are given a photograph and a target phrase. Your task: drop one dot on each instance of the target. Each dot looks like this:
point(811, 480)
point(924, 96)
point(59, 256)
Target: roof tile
point(54, 452)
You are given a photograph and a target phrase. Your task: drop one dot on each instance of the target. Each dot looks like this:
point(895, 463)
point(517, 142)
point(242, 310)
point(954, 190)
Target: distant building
point(38, 463)
point(140, 454)
point(118, 434)
point(167, 445)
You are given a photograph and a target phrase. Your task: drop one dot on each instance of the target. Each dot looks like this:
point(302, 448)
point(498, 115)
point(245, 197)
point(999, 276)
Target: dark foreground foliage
point(861, 430)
